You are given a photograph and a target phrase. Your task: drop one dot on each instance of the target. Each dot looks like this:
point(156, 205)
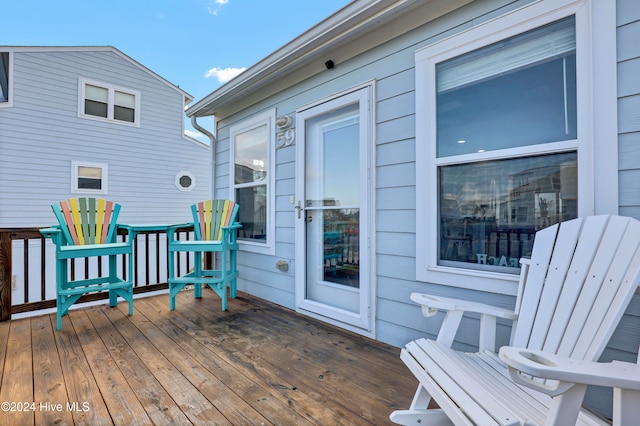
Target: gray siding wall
point(42, 133)
point(399, 320)
point(626, 340)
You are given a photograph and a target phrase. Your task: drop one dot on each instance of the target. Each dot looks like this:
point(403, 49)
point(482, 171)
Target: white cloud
point(224, 74)
point(193, 134)
point(215, 5)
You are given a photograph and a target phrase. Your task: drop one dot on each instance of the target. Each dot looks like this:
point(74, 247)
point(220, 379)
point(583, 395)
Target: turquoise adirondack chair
point(87, 227)
point(215, 231)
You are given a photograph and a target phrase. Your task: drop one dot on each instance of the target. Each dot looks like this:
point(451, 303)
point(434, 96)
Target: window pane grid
point(108, 103)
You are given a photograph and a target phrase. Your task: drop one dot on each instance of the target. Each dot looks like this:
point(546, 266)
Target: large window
point(502, 150)
point(252, 176)
point(5, 78)
point(104, 102)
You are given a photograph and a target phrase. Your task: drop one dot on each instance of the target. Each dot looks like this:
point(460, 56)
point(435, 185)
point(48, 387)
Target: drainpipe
point(213, 141)
point(209, 260)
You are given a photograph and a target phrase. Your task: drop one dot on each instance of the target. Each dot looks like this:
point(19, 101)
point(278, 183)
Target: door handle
point(300, 209)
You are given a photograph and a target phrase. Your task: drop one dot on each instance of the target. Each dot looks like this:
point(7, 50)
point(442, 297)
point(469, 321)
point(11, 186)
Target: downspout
point(209, 259)
point(213, 142)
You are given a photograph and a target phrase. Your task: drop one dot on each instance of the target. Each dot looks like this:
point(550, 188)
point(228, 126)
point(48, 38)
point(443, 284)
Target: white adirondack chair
point(572, 294)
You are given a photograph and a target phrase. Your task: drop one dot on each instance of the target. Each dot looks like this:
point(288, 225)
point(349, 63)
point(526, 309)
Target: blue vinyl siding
point(42, 133)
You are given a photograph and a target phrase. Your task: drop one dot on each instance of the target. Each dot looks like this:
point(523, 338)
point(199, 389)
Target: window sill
point(256, 248)
point(492, 282)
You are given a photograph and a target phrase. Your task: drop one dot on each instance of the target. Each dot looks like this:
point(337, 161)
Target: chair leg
point(197, 272)
point(224, 274)
point(61, 279)
point(172, 299)
point(113, 296)
point(59, 312)
point(419, 411)
point(234, 269)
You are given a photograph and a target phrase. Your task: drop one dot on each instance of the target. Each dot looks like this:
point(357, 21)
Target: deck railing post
point(5, 275)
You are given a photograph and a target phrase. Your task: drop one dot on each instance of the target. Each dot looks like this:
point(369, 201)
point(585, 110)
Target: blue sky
point(194, 44)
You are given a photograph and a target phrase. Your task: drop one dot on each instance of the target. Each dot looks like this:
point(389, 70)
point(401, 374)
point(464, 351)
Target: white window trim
point(74, 177)
point(9, 103)
point(268, 118)
point(596, 85)
point(82, 83)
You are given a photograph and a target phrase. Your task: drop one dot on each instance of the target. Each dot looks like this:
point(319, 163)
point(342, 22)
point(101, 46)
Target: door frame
point(364, 322)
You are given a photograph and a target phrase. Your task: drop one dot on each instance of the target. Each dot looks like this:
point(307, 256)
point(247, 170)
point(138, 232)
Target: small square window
point(89, 177)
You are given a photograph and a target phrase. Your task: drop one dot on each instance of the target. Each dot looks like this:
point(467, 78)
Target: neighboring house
point(416, 146)
point(91, 121)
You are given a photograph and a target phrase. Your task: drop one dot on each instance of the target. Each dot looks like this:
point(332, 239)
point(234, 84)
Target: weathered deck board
point(48, 378)
point(17, 380)
point(256, 363)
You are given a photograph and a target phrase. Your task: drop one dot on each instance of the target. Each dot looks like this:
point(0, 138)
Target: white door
point(333, 207)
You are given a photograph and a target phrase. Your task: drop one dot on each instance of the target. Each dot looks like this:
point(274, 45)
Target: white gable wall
point(41, 134)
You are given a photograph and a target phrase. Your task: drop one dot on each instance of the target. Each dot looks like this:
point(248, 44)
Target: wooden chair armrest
point(528, 366)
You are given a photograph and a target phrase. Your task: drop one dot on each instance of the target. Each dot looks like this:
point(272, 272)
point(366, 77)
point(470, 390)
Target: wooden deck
point(255, 364)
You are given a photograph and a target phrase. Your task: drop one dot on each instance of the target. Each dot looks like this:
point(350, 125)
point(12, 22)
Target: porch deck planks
point(254, 364)
point(18, 370)
point(156, 401)
point(230, 408)
point(235, 373)
point(81, 384)
point(190, 400)
point(288, 340)
point(118, 396)
point(313, 406)
point(48, 378)
point(5, 326)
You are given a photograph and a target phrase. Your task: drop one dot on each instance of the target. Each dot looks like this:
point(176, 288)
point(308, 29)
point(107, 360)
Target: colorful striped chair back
point(210, 216)
point(87, 220)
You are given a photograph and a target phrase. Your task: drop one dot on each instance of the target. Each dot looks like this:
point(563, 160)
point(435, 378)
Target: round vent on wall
point(185, 181)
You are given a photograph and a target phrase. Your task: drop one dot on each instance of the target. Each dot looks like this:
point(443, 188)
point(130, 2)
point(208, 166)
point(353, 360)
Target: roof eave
point(354, 18)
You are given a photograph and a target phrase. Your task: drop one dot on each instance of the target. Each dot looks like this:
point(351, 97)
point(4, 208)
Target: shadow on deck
point(256, 363)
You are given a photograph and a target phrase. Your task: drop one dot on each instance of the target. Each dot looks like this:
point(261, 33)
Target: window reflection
point(252, 213)
point(251, 151)
point(518, 92)
point(250, 180)
point(490, 210)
